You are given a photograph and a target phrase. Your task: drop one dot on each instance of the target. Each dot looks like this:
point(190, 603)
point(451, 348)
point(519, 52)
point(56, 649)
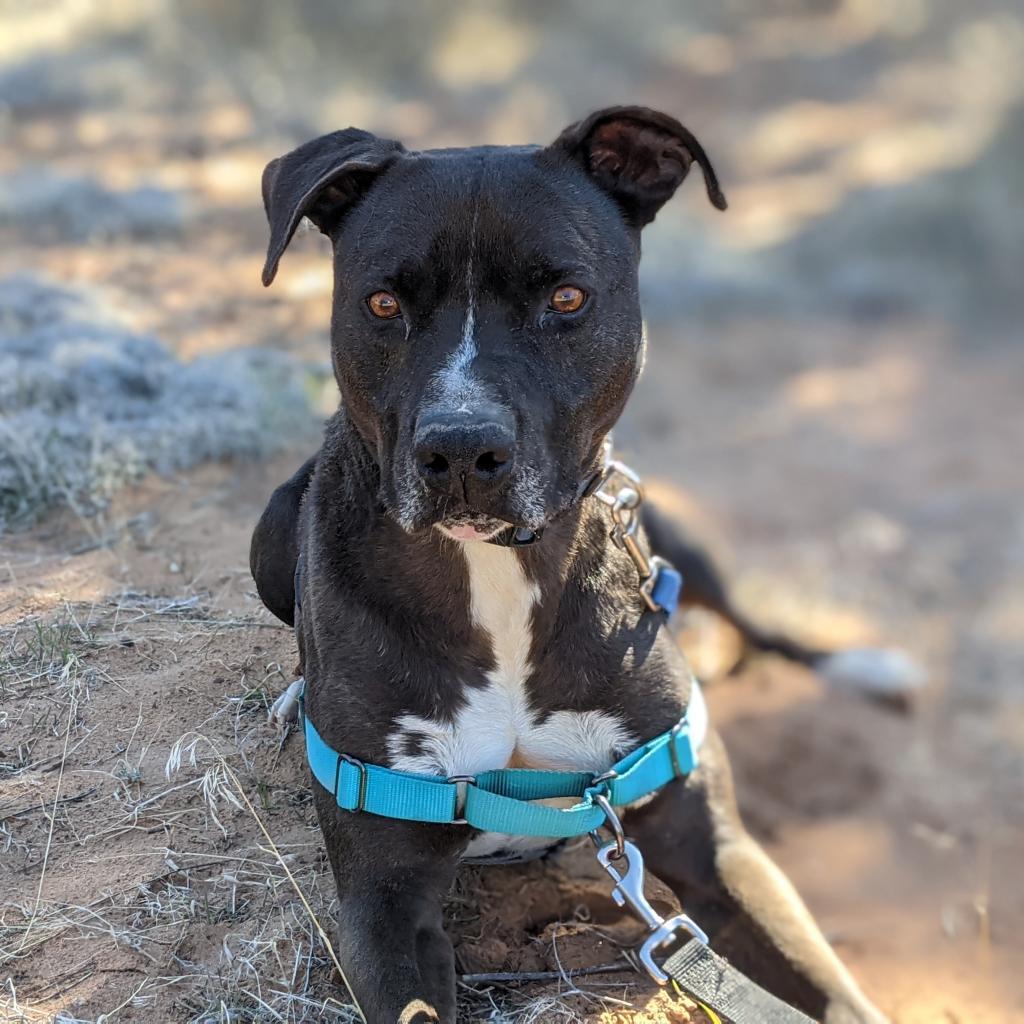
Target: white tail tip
point(875, 671)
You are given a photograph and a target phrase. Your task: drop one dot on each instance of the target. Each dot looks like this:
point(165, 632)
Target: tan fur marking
point(412, 1013)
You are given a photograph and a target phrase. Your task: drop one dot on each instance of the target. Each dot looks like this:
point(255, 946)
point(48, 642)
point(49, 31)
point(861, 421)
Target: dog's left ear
point(320, 180)
point(639, 156)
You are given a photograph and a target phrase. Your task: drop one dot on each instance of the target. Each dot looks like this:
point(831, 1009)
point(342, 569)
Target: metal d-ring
point(612, 821)
point(624, 506)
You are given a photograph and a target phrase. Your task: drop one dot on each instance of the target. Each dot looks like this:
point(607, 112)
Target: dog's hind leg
point(692, 838)
point(274, 550)
point(886, 675)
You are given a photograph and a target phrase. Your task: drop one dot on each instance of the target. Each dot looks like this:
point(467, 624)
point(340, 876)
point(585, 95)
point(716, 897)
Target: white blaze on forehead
point(455, 382)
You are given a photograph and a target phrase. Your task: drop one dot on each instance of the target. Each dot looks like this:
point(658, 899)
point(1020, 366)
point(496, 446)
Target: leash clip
point(629, 892)
point(658, 591)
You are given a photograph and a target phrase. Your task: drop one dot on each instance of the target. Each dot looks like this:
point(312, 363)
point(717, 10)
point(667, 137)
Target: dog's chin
point(473, 527)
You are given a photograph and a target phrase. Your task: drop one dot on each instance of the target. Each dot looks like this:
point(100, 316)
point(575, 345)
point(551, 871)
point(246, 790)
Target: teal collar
point(503, 800)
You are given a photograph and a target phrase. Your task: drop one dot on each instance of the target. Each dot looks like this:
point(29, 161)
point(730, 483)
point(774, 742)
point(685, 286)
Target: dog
point(486, 333)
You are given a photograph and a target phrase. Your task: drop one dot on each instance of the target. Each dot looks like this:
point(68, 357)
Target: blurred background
point(833, 392)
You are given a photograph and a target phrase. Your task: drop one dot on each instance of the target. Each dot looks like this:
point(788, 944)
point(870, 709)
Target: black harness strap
point(705, 976)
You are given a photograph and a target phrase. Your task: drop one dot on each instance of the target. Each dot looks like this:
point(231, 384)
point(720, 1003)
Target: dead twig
point(8, 815)
point(516, 977)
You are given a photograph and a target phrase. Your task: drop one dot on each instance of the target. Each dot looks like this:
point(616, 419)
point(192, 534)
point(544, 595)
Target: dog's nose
point(459, 449)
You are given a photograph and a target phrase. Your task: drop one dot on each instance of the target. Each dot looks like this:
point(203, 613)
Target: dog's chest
point(497, 725)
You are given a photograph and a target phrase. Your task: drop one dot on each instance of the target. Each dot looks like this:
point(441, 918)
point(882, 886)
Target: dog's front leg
point(391, 878)
point(693, 839)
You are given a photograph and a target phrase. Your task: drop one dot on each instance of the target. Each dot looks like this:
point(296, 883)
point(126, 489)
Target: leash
point(504, 800)
point(694, 969)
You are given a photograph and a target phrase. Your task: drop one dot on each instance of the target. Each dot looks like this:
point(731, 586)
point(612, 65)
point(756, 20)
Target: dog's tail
point(884, 674)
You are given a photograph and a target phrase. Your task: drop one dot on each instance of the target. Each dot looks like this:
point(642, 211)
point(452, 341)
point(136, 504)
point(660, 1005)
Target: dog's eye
point(567, 298)
point(384, 305)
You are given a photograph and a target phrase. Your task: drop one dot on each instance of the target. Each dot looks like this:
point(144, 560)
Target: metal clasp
point(627, 872)
point(624, 503)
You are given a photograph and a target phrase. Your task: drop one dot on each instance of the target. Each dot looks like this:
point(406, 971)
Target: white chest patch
point(497, 727)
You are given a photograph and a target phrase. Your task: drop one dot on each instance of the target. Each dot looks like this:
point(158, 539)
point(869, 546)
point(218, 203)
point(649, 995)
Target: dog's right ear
point(639, 157)
point(320, 180)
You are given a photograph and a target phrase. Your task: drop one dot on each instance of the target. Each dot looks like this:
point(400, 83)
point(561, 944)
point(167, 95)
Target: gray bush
point(87, 405)
point(56, 208)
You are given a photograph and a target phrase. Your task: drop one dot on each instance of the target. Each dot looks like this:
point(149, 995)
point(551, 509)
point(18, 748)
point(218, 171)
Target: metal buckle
point(461, 795)
point(629, 892)
point(348, 759)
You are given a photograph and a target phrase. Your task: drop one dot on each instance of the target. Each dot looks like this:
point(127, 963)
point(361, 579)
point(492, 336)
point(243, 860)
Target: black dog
point(486, 333)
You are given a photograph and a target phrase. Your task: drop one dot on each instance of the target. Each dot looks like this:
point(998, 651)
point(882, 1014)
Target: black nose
point(456, 450)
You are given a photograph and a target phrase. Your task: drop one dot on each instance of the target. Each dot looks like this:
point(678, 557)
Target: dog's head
point(486, 330)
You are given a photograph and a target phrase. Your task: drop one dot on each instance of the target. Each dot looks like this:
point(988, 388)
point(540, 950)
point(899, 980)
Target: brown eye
point(567, 299)
point(384, 305)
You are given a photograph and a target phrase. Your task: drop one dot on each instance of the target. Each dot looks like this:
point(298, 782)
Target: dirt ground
point(860, 476)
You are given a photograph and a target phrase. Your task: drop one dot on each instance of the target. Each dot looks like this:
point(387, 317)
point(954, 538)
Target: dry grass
point(270, 963)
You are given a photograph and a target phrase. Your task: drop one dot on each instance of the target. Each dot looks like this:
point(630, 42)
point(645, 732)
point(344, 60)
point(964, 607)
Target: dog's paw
point(885, 674)
point(285, 709)
point(419, 1012)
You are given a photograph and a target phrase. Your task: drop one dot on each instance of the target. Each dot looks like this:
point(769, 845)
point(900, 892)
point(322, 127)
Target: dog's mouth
point(526, 506)
point(471, 526)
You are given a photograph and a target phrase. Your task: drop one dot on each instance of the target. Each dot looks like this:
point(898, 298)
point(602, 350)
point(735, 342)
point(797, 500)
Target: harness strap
point(710, 979)
point(503, 800)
